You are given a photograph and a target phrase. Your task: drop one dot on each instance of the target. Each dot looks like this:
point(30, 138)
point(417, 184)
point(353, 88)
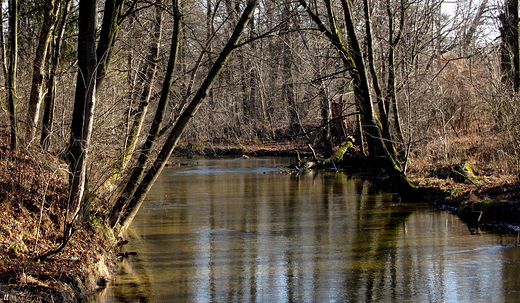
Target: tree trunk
point(376, 142)
point(286, 56)
point(11, 74)
point(39, 67)
point(469, 36)
point(510, 52)
point(361, 85)
point(149, 72)
point(48, 101)
point(384, 102)
point(107, 37)
point(138, 197)
point(250, 83)
point(391, 96)
point(352, 57)
point(2, 43)
point(84, 104)
point(381, 101)
point(155, 128)
point(326, 118)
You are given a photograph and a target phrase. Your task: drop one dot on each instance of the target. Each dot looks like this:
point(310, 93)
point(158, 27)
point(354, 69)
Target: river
point(237, 230)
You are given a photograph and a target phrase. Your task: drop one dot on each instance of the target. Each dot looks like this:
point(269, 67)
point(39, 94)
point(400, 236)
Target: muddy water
point(239, 231)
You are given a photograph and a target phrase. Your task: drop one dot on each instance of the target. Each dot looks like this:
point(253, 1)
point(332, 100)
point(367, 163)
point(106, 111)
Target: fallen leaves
point(33, 196)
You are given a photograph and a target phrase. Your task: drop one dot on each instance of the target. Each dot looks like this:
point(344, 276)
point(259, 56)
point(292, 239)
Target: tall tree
point(12, 71)
point(131, 208)
point(82, 118)
point(112, 18)
point(50, 95)
point(39, 67)
point(155, 128)
point(510, 51)
point(469, 31)
point(287, 57)
point(353, 57)
point(395, 33)
point(2, 43)
point(84, 105)
point(149, 73)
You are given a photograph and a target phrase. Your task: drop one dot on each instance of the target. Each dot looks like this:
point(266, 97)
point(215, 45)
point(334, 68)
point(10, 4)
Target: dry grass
point(486, 152)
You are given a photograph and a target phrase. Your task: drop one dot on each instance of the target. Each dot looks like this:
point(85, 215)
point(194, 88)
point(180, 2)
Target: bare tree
point(82, 118)
point(510, 49)
point(39, 67)
point(157, 122)
point(353, 57)
point(84, 105)
point(471, 30)
point(12, 71)
point(149, 73)
point(287, 70)
point(2, 43)
point(112, 18)
point(127, 214)
point(54, 55)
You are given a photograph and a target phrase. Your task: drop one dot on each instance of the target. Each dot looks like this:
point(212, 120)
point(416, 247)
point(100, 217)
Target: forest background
point(98, 94)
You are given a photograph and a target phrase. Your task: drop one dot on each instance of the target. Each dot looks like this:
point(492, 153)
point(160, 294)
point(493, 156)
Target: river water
point(237, 230)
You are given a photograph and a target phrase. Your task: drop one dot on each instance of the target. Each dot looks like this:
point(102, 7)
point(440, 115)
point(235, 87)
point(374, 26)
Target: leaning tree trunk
point(153, 134)
point(469, 35)
point(137, 199)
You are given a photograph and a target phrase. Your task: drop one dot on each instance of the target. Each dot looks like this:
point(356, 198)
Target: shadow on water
point(239, 231)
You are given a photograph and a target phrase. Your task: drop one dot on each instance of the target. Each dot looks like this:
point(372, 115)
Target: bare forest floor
point(33, 195)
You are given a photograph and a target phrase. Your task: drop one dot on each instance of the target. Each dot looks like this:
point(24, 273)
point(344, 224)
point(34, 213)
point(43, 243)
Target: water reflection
point(238, 231)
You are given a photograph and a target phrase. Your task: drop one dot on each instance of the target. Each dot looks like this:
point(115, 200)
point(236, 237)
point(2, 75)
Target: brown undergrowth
point(496, 199)
point(33, 195)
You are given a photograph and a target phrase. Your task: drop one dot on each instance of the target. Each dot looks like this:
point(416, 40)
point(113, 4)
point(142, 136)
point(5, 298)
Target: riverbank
point(493, 205)
point(495, 201)
point(33, 194)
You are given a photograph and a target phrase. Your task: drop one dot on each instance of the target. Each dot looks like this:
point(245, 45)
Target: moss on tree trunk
point(340, 152)
point(461, 173)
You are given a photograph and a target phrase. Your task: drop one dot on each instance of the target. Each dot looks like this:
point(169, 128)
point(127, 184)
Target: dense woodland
point(112, 87)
